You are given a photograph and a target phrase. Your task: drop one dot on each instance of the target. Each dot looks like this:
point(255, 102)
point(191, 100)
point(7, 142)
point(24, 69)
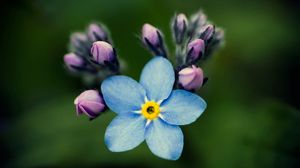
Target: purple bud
point(90, 103)
point(207, 32)
point(198, 19)
point(102, 51)
point(181, 21)
point(78, 39)
point(195, 50)
point(191, 78)
point(180, 27)
point(96, 33)
point(73, 61)
point(153, 40)
point(150, 33)
point(216, 41)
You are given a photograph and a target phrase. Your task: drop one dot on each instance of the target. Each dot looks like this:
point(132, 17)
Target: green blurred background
point(253, 95)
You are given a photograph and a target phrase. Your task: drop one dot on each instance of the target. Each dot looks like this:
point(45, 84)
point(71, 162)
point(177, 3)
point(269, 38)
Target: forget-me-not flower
point(150, 110)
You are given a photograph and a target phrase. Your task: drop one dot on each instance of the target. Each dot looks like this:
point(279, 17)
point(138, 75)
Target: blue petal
point(164, 140)
point(122, 94)
point(182, 107)
point(158, 78)
point(125, 132)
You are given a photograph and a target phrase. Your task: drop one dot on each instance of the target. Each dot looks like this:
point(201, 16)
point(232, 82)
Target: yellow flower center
point(150, 110)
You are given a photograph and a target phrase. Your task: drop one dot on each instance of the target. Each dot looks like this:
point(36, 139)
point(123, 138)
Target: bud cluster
point(92, 56)
point(91, 52)
point(195, 39)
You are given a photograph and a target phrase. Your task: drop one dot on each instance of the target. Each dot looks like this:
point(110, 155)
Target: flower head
point(191, 78)
point(149, 110)
point(90, 103)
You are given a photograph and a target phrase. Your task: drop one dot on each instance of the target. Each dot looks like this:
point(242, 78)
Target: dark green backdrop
point(252, 119)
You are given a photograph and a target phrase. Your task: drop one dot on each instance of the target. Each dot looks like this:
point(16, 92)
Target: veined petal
point(182, 107)
point(164, 140)
point(122, 94)
point(125, 132)
point(158, 78)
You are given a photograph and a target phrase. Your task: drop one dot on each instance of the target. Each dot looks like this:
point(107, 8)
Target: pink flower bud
point(78, 39)
point(96, 33)
point(181, 22)
point(150, 33)
point(90, 103)
point(207, 32)
point(195, 50)
point(102, 51)
point(73, 61)
point(198, 19)
point(180, 25)
point(191, 77)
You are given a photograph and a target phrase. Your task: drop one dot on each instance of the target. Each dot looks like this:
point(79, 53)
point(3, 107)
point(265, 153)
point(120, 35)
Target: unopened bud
point(96, 33)
point(197, 20)
point(207, 32)
point(191, 78)
point(79, 44)
point(180, 24)
point(150, 34)
point(78, 39)
point(90, 103)
point(73, 61)
point(152, 39)
point(195, 50)
point(103, 52)
point(215, 43)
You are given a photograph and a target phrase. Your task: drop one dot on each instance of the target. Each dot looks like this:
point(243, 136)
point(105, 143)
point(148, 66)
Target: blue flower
point(149, 110)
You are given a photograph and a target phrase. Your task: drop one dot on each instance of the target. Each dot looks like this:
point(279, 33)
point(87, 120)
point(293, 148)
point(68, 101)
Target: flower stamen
point(150, 110)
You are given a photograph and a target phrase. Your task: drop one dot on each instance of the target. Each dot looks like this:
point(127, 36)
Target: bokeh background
point(253, 95)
